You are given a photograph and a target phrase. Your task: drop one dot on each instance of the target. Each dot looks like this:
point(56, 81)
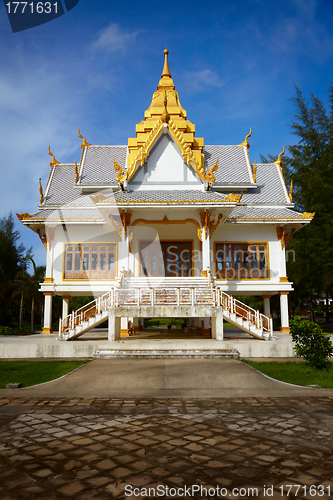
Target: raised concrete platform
point(47, 346)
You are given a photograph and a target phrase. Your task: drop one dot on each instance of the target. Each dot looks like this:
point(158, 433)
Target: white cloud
point(113, 39)
point(197, 81)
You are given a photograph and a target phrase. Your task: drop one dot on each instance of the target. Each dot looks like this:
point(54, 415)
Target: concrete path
point(156, 378)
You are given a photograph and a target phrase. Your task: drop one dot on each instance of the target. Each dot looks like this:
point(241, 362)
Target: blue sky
point(234, 64)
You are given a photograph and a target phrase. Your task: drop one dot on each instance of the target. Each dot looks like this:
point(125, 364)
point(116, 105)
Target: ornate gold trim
point(84, 143)
point(76, 172)
point(254, 172)
point(210, 173)
point(281, 232)
point(97, 198)
point(24, 216)
point(283, 279)
point(42, 238)
point(246, 142)
point(165, 221)
point(308, 215)
point(48, 280)
point(119, 170)
point(279, 160)
point(233, 198)
point(53, 161)
point(291, 191)
point(41, 196)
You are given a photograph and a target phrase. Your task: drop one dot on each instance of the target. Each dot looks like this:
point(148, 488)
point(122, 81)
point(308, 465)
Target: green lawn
point(34, 372)
point(295, 373)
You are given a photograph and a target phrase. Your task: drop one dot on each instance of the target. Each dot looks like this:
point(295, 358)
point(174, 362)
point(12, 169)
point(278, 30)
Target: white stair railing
point(247, 313)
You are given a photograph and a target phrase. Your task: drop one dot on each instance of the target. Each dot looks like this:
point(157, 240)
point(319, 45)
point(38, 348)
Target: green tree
point(11, 263)
point(310, 167)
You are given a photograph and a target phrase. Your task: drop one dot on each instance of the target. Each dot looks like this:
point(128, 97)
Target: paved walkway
point(174, 426)
point(56, 448)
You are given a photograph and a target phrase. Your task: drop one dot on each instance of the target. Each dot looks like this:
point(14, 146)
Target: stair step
point(166, 353)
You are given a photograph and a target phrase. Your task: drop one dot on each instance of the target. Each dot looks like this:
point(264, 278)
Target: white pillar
point(205, 251)
point(283, 266)
point(124, 327)
point(47, 328)
point(284, 312)
point(217, 325)
point(267, 305)
point(113, 326)
point(65, 305)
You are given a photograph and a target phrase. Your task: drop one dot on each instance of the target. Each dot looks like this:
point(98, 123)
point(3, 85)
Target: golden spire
point(76, 172)
point(246, 142)
point(166, 71)
point(166, 81)
point(53, 161)
point(279, 161)
point(41, 191)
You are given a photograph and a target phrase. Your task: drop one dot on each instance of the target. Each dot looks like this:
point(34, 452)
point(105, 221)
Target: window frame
point(241, 274)
point(88, 274)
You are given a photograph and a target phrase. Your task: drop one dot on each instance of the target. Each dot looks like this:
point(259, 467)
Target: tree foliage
point(310, 166)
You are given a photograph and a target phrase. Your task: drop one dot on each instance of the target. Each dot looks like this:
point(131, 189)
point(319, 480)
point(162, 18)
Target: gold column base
point(124, 332)
point(284, 329)
point(47, 330)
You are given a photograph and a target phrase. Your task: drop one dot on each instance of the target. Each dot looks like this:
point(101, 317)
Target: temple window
point(90, 261)
point(241, 260)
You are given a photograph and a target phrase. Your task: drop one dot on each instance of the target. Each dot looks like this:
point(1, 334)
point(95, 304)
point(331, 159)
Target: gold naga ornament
point(41, 196)
point(53, 161)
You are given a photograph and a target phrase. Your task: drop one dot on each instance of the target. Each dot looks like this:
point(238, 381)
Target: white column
point(65, 305)
point(267, 305)
point(283, 266)
point(284, 312)
point(217, 325)
point(113, 326)
point(47, 328)
point(205, 251)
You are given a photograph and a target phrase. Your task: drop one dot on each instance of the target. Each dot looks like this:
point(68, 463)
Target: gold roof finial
point(84, 142)
point(254, 173)
point(210, 174)
point(76, 172)
point(166, 70)
point(291, 191)
point(41, 198)
point(53, 161)
point(279, 161)
point(166, 81)
point(246, 142)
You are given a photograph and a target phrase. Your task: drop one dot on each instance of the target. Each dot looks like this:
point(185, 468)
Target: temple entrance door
point(166, 258)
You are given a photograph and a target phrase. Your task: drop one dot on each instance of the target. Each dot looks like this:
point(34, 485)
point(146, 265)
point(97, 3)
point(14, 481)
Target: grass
point(34, 372)
point(298, 373)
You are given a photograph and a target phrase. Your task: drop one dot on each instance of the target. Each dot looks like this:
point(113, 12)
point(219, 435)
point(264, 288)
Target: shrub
point(6, 330)
point(311, 343)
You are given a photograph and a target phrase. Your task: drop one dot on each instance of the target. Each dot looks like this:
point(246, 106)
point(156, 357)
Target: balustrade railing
point(165, 296)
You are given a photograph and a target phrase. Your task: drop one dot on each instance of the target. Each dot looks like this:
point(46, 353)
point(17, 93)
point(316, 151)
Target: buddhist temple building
point(165, 225)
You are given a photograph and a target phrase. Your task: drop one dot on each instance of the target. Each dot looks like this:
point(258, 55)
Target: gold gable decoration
point(165, 110)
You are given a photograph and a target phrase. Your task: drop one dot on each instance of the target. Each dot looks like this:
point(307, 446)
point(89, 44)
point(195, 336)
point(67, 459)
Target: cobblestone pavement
point(91, 449)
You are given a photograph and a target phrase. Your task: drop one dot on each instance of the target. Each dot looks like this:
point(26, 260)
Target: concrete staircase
point(165, 292)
